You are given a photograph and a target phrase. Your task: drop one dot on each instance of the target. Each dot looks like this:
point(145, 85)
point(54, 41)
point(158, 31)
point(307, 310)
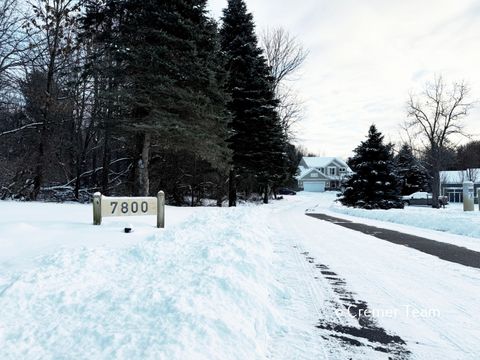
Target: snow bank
point(451, 220)
point(197, 290)
point(219, 284)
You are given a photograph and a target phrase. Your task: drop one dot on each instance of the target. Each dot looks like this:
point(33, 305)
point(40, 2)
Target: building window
point(454, 195)
point(331, 171)
point(314, 175)
point(342, 170)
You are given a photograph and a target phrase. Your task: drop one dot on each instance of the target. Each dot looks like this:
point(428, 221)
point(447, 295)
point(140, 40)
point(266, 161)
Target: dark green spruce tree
point(412, 175)
point(374, 184)
point(257, 141)
point(171, 83)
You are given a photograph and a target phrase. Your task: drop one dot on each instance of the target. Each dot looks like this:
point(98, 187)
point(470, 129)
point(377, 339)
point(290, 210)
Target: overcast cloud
point(365, 58)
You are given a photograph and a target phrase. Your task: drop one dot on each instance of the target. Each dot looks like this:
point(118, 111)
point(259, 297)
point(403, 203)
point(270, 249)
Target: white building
point(318, 174)
point(451, 183)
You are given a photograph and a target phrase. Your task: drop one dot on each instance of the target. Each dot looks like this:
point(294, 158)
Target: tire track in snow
point(362, 333)
point(453, 339)
point(451, 336)
point(325, 301)
point(319, 296)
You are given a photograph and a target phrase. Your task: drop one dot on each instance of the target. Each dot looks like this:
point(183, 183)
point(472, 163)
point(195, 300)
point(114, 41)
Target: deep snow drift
point(254, 282)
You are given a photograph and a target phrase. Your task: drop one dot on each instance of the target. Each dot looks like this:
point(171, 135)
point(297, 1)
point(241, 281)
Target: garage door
point(318, 186)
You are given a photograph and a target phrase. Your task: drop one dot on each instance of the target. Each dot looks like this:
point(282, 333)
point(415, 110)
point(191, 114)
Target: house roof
point(308, 171)
point(459, 176)
point(302, 172)
point(322, 162)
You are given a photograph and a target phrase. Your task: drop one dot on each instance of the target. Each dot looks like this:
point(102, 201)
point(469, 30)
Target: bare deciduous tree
point(290, 109)
point(13, 49)
point(12, 39)
point(285, 56)
point(433, 117)
point(468, 175)
point(53, 23)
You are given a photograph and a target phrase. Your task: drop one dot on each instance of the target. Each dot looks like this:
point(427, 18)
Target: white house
point(318, 174)
point(451, 183)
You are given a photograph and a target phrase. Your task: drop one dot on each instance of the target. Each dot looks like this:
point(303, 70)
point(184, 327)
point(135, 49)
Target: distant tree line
point(381, 176)
point(133, 96)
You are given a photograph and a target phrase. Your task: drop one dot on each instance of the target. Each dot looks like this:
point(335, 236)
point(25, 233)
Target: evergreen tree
point(171, 80)
point(467, 156)
point(374, 184)
point(294, 156)
point(412, 175)
point(257, 141)
point(100, 28)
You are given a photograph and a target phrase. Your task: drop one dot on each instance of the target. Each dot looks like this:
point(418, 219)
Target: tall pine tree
point(412, 175)
point(374, 184)
point(257, 141)
point(171, 84)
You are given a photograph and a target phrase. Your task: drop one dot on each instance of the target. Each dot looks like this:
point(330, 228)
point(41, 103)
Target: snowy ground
point(452, 219)
point(255, 282)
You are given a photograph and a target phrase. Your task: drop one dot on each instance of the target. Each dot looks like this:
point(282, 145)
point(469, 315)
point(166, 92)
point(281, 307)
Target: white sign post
point(106, 206)
point(468, 196)
point(478, 198)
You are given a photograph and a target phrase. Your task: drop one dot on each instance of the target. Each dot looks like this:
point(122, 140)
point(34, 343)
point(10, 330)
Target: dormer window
point(332, 171)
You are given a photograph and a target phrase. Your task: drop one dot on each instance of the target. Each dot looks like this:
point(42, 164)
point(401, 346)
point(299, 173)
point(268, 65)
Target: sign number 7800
point(133, 207)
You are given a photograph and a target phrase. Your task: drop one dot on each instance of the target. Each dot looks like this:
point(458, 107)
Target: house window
point(314, 175)
point(342, 170)
point(320, 169)
point(331, 171)
point(455, 195)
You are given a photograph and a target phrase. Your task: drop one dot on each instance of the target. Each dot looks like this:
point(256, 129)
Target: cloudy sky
point(366, 56)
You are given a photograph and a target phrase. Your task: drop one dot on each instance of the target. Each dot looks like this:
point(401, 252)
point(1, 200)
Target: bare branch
point(28, 126)
point(433, 117)
point(284, 55)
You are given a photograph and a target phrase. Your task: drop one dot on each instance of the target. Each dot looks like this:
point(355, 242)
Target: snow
point(452, 219)
point(459, 176)
point(187, 292)
point(28, 230)
point(218, 284)
point(318, 162)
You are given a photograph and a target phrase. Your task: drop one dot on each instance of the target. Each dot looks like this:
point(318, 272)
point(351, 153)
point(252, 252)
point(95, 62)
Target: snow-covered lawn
point(243, 283)
point(198, 290)
point(451, 224)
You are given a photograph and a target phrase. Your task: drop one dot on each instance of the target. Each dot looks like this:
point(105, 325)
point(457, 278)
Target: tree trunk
point(39, 169)
point(77, 179)
point(232, 189)
point(93, 177)
point(194, 182)
point(436, 187)
point(106, 163)
point(265, 195)
point(142, 180)
point(219, 194)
